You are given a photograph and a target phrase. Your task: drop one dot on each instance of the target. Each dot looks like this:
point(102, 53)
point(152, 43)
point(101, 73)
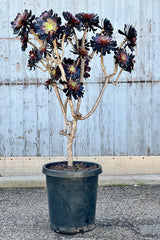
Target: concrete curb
point(104, 180)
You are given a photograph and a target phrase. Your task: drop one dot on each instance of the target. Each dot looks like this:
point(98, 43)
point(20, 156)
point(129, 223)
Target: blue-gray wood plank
point(127, 121)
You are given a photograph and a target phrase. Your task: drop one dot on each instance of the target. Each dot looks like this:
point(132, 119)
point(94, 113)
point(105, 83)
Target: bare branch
point(59, 61)
point(115, 71)
point(121, 45)
point(41, 68)
point(115, 83)
point(103, 67)
point(65, 105)
point(36, 37)
point(92, 55)
point(32, 44)
point(96, 103)
point(62, 132)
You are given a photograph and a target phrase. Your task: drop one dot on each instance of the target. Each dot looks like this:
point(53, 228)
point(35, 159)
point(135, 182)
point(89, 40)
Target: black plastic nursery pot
point(72, 198)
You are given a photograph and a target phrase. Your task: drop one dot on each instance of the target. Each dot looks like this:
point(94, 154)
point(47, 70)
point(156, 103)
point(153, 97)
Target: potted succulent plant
point(71, 185)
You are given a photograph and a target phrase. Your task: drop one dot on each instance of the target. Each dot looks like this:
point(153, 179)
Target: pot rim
point(72, 174)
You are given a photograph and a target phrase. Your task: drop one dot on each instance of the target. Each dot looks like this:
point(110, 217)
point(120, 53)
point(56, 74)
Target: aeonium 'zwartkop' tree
point(67, 74)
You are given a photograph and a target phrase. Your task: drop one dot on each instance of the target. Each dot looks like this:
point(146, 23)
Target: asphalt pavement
point(123, 213)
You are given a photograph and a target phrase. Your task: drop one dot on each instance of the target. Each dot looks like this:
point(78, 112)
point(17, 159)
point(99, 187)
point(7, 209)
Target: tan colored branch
point(115, 71)
point(78, 105)
point(96, 103)
point(41, 68)
point(115, 83)
point(103, 67)
point(71, 42)
point(65, 105)
point(61, 132)
point(121, 45)
point(33, 45)
point(59, 61)
point(82, 69)
point(84, 37)
point(73, 128)
point(53, 60)
point(72, 108)
point(43, 64)
point(61, 105)
point(36, 37)
point(92, 55)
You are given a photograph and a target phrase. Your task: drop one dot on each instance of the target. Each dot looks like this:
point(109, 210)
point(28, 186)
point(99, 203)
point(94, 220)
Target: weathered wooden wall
point(127, 122)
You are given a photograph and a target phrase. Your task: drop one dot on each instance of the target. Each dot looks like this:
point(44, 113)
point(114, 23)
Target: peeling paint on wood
point(127, 120)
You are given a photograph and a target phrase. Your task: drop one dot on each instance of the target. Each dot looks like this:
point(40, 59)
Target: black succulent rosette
point(103, 44)
point(21, 25)
point(72, 22)
point(82, 51)
point(34, 57)
point(48, 26)
point(71, 69)
point(124, 60)
point(55, 76)
point(55, 73)
point(107, 28)
point(131, 35)
point(89, 20)
point(73, 88)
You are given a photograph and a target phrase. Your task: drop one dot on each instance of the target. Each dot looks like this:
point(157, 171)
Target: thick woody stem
point(73, 128)
point(78, 105)
point(72, 108)
point(72, 132)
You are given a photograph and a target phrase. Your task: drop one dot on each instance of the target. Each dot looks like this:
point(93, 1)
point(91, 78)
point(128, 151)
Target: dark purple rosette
point(74, 88)
point(124, 60)
point(107, 28)
point(72, 22)
point(103, 43)
point(34, 57)
point(89, 20)
point(48, 27)
point(131, 35)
